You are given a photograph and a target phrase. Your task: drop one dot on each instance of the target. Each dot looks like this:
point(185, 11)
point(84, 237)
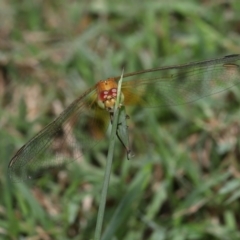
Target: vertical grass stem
point(107, 174)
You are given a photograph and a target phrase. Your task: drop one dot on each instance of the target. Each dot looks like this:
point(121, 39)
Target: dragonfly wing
point(62, 141)
point(181, 84)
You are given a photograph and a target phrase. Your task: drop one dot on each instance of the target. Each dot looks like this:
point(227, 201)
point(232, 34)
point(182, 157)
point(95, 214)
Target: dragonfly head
point(107, 94)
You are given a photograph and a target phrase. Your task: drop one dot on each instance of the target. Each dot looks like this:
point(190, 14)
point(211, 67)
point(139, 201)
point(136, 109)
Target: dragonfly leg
point(122, 131)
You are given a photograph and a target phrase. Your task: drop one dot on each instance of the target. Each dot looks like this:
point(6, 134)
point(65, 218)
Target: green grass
point(183, 182)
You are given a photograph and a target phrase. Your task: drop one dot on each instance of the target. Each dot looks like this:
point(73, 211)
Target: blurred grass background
point(184, 180)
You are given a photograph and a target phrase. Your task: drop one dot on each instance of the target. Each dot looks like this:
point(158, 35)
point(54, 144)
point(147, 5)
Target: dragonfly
point(70, 135)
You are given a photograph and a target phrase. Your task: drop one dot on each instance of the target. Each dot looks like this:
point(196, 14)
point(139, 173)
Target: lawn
point(183, 182)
